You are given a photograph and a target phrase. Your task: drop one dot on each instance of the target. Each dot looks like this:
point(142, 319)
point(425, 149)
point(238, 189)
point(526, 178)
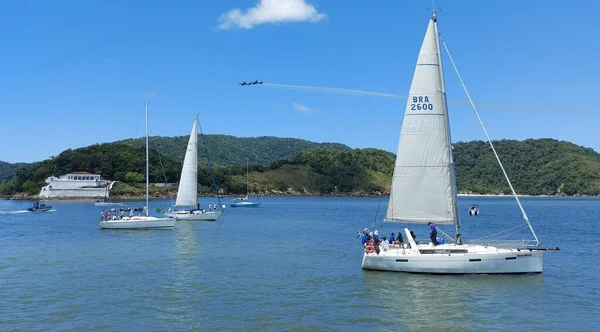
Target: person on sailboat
point(385, 245)
point(458, 240)
point(433, 234)
point(365, 238)
point(392, 238)
point(412, 234)
point(399, 239)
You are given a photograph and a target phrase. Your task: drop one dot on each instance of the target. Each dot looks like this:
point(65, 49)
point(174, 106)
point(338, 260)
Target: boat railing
point(507, 243)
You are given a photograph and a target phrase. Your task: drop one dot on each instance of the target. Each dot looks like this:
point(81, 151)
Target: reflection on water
point(413, 302)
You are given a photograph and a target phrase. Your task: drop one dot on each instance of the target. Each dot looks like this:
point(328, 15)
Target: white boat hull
point(107, 204)
point(195, 215)
point(244, 204)
point(138, 222)
point(476, 260)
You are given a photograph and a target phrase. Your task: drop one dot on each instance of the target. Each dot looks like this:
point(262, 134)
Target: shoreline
point(277, 194)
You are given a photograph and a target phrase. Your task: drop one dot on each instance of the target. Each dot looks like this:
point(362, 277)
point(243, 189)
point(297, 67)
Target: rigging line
point(516, 228)
point(377, 210)
point(491, 144)
point(163, 168)
point(511, 233)
point(446, 235)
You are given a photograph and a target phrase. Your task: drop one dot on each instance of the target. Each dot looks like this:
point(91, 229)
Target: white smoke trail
point(528, 108)
point(334, 90)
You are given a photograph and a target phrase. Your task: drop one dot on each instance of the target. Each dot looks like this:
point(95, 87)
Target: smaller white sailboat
point(187, 206)
point(132, 221)
point(244, 201)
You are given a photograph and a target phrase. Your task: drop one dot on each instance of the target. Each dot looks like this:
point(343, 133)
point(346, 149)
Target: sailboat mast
point(147, 167)
point(247, 180)
point(444, 100)
point(196, 159)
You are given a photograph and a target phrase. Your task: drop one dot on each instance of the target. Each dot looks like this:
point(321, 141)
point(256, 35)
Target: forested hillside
point(536, 167)
point(8, 170)
point(231, 150)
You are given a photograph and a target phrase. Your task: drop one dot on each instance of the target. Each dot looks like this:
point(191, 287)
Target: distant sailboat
point(141, 221)
point(105, 201)
point(244, 201)
point(424, 188)
point(187, 206)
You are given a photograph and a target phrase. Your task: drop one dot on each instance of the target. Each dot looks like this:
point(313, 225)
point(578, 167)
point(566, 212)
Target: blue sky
point(75, 73)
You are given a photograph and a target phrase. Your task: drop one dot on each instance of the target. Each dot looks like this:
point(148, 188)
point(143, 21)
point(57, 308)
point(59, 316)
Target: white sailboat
point(140, 221)
point(187, 206)
point(424, 187)
point(245, 201)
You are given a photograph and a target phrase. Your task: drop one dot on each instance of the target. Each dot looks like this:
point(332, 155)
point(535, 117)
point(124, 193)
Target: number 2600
point(419, 107)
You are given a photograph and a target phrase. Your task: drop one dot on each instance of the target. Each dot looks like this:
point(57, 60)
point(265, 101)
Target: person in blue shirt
point(365, 238)
point(433, 234)
point(392, 238)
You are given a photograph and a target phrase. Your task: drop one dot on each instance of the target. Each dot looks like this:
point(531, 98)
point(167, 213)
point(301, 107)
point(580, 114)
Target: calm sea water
point(291, 264)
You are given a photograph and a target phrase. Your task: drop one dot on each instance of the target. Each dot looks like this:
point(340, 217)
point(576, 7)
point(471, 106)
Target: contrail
point(530, 108)
point(334, 90)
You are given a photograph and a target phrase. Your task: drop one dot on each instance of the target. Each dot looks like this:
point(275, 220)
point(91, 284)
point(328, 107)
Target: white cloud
point(270, 11)
point(304, 109)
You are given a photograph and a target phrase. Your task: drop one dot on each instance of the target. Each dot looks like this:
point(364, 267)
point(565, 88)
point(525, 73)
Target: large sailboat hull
point(195, 215)
point(140, 222)
point(448, 259)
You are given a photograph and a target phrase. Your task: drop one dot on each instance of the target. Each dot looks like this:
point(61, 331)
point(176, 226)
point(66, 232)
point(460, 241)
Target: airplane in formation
point(251, 83)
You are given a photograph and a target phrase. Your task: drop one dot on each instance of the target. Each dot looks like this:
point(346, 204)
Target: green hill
point(536, 167)
point(231, 150)
point(8, 170)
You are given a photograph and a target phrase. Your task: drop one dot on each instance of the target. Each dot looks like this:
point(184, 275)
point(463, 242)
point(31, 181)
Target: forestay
point(423, 185)
point(187, 195)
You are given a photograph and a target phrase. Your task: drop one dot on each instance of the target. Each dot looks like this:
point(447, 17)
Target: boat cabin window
point(443, 251)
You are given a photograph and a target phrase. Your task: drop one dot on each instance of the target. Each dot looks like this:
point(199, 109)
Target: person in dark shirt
point(412, 234)
point(399, 239)
point(433, 234)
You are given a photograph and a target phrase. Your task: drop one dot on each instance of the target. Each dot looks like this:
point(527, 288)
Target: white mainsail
point(423, 185)
point(187, 194)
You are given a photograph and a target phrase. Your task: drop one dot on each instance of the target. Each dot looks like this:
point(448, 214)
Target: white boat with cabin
point(424, 187)
point(74, 185)
point(187, 206)
point(144, 221)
